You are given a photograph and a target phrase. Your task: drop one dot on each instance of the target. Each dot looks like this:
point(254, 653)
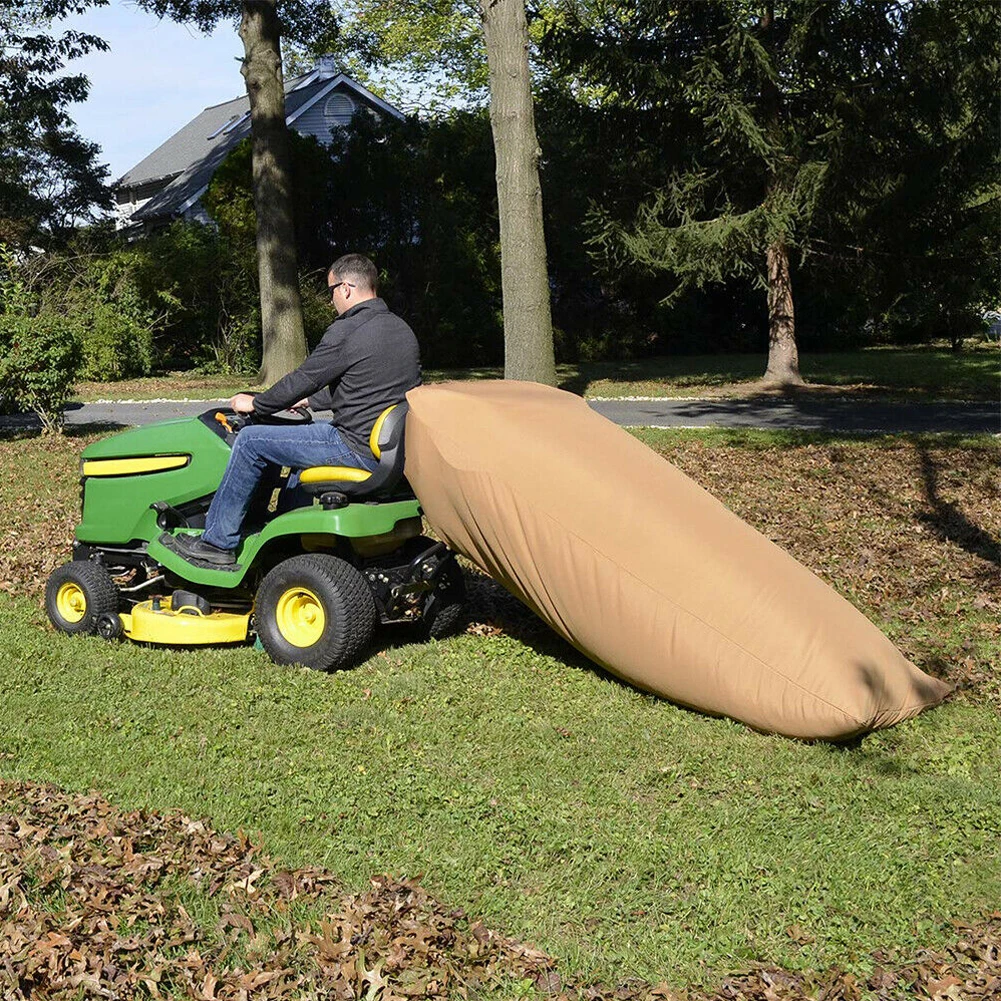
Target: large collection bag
point(643, 570)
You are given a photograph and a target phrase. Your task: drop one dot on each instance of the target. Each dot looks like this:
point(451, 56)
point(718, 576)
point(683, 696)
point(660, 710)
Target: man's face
point(339, 293)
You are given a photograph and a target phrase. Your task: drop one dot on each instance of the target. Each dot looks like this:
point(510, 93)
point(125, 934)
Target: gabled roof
point(191, 156)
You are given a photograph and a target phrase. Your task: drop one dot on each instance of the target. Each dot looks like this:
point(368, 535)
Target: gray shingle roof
point(188, 145)
point(190, 156)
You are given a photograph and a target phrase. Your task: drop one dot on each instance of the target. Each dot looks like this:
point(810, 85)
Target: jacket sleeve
point(324, 366)
point(321, 399)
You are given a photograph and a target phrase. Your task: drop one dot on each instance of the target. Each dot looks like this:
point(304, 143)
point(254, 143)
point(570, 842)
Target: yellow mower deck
point(182, 626)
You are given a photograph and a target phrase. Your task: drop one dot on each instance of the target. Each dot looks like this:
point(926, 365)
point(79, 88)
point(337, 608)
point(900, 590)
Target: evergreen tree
point(788, 132)
point(756, 95)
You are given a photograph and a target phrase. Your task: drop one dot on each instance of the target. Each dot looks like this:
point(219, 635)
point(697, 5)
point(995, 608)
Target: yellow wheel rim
point(71, 602)
point(300, 617)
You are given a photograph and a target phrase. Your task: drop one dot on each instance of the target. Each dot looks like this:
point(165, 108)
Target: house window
point(339, 109)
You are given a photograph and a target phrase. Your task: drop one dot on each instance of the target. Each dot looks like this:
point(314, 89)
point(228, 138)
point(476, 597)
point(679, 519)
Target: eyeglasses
point(338, 285)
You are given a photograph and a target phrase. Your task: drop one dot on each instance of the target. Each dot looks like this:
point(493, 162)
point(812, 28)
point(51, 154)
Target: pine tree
point(757, 96)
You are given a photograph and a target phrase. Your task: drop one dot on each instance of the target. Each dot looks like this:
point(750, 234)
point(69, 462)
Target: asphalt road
point(804, 414)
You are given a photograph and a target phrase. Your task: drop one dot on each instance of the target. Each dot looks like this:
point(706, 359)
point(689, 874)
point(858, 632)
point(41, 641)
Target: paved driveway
point(805, 414)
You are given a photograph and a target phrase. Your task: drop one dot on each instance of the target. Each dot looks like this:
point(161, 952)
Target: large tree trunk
point(783, 358)
point(284, 346)
point(528, 325)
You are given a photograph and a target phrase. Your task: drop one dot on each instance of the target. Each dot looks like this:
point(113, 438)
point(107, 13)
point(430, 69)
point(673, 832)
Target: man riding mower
point(311, 582)
point(196, 506)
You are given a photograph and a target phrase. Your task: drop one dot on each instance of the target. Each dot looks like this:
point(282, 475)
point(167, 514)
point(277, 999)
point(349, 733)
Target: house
point(170, 182)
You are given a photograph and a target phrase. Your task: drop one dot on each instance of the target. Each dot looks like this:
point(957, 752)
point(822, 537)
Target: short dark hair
point(357, 269)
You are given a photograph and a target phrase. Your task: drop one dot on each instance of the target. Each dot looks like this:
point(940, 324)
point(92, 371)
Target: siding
point(316, 122)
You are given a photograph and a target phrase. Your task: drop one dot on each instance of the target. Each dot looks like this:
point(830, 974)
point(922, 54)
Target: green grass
point(896, 373)
point(625, 834)
point(613, 829)
point(922, 372)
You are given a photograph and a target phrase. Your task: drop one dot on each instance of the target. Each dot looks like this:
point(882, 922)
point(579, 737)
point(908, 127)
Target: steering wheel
point(291, 415)
point(230, 422)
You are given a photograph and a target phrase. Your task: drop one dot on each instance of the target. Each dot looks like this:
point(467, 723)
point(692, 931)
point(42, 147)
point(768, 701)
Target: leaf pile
point(96, 902)
point(92, 902)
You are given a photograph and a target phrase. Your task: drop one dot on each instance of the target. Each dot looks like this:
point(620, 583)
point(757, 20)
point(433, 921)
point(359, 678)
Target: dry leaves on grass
point(92, 900)
point(99, 902)
point(910, 533)
point(39, 508)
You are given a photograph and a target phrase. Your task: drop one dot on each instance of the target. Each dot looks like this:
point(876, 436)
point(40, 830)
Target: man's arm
point(321, 400)
point(321, 368)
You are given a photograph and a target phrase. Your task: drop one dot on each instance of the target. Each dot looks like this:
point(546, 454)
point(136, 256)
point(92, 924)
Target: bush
point(39, 362)
point(39, 358)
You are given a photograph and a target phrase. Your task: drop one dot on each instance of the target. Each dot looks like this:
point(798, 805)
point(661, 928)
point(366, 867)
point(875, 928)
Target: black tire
point(315, 610)
point(77, 594)
point(445, 611)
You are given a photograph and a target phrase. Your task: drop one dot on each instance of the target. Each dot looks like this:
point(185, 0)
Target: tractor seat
point(335, 484)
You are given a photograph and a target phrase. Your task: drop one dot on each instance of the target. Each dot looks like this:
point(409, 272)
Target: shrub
point(39, 361)
point(110, 316)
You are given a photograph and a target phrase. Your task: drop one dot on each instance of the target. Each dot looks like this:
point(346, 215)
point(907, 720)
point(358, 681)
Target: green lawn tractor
point(310, 581)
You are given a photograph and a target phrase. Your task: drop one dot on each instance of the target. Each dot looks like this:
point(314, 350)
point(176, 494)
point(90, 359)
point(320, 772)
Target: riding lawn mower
point(310, 582)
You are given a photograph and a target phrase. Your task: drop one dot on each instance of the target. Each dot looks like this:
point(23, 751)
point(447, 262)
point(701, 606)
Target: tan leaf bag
point(642, 570)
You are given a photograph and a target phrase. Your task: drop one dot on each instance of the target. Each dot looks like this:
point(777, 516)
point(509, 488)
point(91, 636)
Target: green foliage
point(39, 356)
point(419, 198)
point(50, 178)
point(416, 54)
point(184, 298)
point(106, 311)
point(207, 281)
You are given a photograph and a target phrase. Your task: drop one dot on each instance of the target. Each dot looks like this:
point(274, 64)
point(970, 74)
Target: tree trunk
point(783, 358)
point(284, 343)
point(528, 325)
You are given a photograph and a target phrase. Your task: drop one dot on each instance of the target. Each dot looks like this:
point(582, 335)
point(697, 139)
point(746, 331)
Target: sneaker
point(193, 547)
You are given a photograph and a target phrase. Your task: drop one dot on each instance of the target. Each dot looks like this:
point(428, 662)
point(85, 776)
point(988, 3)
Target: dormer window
point(338, 109)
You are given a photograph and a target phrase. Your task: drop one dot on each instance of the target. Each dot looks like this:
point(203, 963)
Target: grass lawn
point(623, 834)
point(896, 373)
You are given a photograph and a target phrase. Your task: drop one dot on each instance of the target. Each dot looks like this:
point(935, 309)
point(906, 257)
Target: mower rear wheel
point(77, 594)
point(315, 610)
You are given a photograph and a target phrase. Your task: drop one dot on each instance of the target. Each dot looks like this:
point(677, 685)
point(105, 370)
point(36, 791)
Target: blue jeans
point(257, 445)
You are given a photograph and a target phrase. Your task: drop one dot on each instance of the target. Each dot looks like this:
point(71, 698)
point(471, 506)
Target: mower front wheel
point(315, 610)
point(78, 594)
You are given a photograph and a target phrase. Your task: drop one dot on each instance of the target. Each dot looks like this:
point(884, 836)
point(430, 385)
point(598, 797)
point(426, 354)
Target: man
point(367, 361)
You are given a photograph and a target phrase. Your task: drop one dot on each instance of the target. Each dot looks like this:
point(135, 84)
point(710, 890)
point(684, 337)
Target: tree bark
point(528, 326)
point(783, 357)
point(284, 342)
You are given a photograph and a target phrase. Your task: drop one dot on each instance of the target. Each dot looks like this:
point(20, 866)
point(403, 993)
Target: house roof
point(190, 156)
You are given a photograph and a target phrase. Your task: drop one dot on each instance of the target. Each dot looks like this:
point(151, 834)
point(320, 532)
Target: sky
point(156, 77)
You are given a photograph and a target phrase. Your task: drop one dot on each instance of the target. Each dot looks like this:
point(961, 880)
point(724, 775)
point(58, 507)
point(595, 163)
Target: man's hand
point(242, 403)
point(301, 405)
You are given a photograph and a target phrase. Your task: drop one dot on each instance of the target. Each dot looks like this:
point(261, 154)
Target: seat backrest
point(387, 432)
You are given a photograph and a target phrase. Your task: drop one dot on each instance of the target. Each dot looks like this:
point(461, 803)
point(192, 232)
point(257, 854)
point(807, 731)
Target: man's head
point(352, 279)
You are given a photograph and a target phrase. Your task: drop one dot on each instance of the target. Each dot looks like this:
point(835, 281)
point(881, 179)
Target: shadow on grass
point(947, 520)
point(492, 607)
